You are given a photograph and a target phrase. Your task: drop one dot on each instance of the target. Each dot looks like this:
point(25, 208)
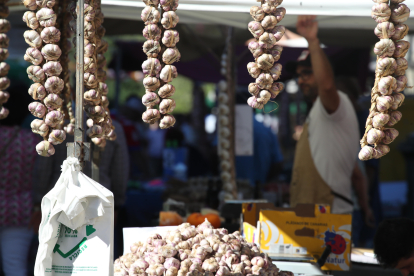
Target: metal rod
point(79, 137)
point(96, 157)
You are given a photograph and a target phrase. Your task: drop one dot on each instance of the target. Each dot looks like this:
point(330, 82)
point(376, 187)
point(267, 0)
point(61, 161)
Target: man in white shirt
point(325, 165)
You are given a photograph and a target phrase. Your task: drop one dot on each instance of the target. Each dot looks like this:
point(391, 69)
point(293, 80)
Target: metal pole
point(79, 149)
point(96, 157)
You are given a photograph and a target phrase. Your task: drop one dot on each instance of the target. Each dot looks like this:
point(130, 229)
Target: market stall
point(350, 18)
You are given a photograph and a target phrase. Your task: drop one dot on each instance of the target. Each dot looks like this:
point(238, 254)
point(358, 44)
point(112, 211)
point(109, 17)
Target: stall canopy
point(342, 23)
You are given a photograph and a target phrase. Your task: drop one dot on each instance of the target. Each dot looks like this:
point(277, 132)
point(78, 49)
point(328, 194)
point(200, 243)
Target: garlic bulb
point(103, 88)
point(170, 38)
point(275, 51)
point(92, 96)
point(57, 136)
point(150, 100)
point(253, 69)
point(4, 69)
point(171, 55)
point(37, 109)
point(256, 29)
point(254, 89)
point(386, 85)
point(264, 96)
point(54, 118)
point(269, 22)
point(54, 85)
point(167, 121)
point(380, 151)
point(169, 5)
point(384, 103)
point(4, 54)
point(90, 80)
point(255, 49)
point(34, 56)
point(257, 13)
point(385, 30)
point(89, 65)
point(152, 32)
point(264, 81)
point(89, 50)
point(400, 13)
point(401, 48)
point(45, 3)
point(45, 149)
point(395, 117)
point(166, 91)
point(39, 127)
point(151, 83)
point(52, 68)
point(36, 73)
point(50, 35)
point(401, 84)
point(390, 135)
point(252, 102)
point(4, 97)
point(398, 101)
point(151, 67)
point(97, 113)
point(150, 15)
point(30, 4)
point(4, 26)
point(265, 61)
point(380, 120)
point(381, 12)
point(386, 66)
point(151, 116)
point(51, 52)
point(37, 91)
point(4, 41)
point(278, 32)
point(46, 17)
point(168, 73)
point(402, 66)
point(33, 38)
point(374, 136)
point(280, 14)
point(53, 101)
point(152, 47)
point(95, 131)
point(267, 40)
point(276, 71)
point(401, 30)
point(384, 48)
point(152, 2)
point(167, 106)
point(366, 153)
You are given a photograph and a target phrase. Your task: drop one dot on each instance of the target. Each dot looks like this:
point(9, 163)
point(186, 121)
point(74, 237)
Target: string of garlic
point(4, 53)
point(159, 74)
point(45, 71)
point(390, 79)
point(265, 51)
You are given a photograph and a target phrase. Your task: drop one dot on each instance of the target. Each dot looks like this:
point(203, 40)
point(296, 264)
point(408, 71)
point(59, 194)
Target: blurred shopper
point(17, 157)
point(155, 140)
point(326, 153)
point(266, 162)
point(394, 245)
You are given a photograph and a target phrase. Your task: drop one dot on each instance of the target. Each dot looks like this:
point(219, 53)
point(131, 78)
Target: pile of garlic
point(44, 53)
point(158, 68)
point(390, 79)
point(265, 51)
point(201, 251)
point(96, 103)
point(4, 53)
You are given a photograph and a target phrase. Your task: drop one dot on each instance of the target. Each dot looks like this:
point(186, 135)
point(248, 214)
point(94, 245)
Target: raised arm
point(322, 70)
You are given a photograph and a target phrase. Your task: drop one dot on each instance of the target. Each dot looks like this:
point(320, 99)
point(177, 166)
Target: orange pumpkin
point(197, 219)
point(170, 219)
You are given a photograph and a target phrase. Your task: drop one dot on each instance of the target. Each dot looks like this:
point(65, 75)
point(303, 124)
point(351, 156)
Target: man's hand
point(307, 27)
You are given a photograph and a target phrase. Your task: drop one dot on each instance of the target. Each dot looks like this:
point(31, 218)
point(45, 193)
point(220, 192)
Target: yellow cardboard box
point(307, 229)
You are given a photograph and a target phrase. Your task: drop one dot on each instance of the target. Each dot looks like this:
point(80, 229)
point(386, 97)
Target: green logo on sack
point(77, 249)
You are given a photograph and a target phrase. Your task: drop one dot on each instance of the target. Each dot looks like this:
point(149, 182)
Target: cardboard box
point(306, 230)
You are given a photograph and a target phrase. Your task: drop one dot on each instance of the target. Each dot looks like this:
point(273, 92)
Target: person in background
point(394, 245)
point(266, 162)
point(17, 158)
point(363, 235)
point(325, 165)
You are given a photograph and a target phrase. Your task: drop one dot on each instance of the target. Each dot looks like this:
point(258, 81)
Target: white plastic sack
point(76, 232)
